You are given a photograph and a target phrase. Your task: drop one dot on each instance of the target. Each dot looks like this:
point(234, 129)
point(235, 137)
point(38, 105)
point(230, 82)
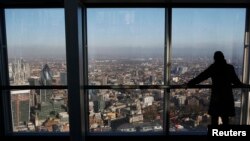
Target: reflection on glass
point(196, 35)
point(130, 110)
point(36, 46)
point(40, 110)
point(125, 46)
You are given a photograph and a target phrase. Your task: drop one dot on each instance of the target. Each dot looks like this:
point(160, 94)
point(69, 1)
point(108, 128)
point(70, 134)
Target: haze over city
point(125, 47)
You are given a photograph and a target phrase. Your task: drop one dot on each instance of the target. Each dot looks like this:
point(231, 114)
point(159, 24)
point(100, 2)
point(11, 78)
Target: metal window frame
point(165, 87)
point(5, 106)
point(74, 54)
point(245, 110)
point(6, 87)
point(167, 65)
point(74, 11)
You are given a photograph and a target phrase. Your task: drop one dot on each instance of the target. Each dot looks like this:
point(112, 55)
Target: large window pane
point(39, 110)
point(125, 46)
point(36, 46)
point(130, 110)
point(196, 35)
point(36, 56)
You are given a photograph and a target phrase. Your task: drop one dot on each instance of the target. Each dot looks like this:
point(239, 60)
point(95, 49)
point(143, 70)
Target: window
point(196, 34)
point(122, 85)
point(36, 46)
point(36, 57)
point(125, 47)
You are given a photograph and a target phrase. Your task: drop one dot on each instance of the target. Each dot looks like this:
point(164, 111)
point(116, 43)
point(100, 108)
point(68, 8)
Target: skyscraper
point(99, 104)
point(19, 72)
point(105, 80)
point(34, 81)
point(46, 75)
point(63, 78)
point(20, 107)
point(46, 80)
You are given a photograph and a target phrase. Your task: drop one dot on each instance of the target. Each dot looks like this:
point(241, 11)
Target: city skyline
point(125, 47)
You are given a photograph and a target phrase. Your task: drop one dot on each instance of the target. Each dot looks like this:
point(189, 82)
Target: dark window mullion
point(5, 94)
point(245, 79)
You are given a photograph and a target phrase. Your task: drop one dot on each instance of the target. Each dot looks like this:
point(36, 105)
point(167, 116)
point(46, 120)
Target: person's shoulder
point(230, 66)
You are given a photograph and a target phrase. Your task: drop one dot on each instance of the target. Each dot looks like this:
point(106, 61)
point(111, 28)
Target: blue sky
point(126, 27)
point(42, 31)
point(220, 27)
point(203, 31)
point(35, 32)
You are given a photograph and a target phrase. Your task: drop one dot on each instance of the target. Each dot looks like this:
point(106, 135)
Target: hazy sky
point(126, 27)
point(36, 32)
point(209, 29)
point(208, 26)
point(39, 32)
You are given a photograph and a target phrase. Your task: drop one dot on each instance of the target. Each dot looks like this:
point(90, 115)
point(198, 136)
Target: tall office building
point(34, 81)
point(63, 78)
point(20, 106)
point(99, 104)
point(10, 71)
point(49, 104)
point(45, 80)
point(19, 72)
point(46, 75)
point(105, 80)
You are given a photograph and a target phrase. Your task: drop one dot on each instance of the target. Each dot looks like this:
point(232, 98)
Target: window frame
point(6, 87)
point(79, 19)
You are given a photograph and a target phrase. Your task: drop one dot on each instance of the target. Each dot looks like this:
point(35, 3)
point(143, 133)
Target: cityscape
point(136, 110)
point(125, 47)
point(120, 110)
point(44, 110)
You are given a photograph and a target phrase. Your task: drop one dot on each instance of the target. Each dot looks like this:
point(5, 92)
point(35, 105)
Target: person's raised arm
point(201, 77)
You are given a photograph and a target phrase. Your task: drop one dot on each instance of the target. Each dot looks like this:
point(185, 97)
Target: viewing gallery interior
point(116, 69)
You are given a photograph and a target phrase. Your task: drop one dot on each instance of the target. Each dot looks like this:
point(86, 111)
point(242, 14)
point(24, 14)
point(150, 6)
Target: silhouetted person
point(223, 76)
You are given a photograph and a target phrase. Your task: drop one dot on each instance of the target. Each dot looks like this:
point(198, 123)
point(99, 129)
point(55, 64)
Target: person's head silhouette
point(219, 57)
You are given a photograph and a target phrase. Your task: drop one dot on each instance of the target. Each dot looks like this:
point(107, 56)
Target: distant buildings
point(19, 72)
point(39, 109)
point(130, 110)
point(46, 76)
point(63, 78)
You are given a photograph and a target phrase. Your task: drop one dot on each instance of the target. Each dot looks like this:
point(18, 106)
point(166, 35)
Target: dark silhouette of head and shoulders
point(223, 77)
